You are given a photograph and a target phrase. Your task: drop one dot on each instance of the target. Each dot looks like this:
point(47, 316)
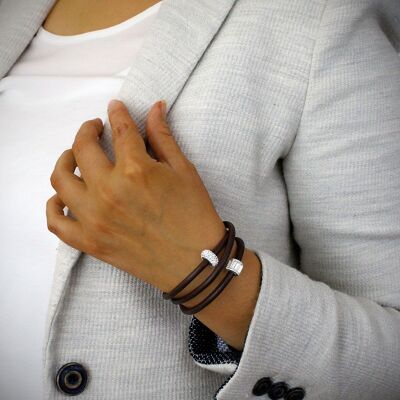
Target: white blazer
point(290, 111)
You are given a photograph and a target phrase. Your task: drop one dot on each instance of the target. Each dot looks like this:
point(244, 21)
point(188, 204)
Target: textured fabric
point(290, 112)
point(75, 85)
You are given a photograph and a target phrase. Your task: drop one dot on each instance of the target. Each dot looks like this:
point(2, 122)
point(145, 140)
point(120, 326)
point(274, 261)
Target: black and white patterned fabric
point(211, 351)
point(206, 347)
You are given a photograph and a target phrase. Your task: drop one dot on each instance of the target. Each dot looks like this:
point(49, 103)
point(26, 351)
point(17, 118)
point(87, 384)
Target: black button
point(277, 390)
point(71, 378)
point(261, 387)
point(296, 393)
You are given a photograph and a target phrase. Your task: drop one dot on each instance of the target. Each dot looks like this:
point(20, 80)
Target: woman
point(288, 111)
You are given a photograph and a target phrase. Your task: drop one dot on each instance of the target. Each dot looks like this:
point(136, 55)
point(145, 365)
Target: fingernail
point(113, 104)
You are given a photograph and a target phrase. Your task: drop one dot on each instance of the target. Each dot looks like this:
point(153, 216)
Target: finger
point(93, 163)
point(70, 188)
point(127, 141)
point(149, 150)
point(161, 138)
point(67, 229)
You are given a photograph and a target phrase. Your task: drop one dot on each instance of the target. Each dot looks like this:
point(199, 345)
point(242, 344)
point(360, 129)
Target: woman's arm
point(230, 313)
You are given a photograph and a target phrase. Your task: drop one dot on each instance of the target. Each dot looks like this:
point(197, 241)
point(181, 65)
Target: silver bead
point(210, 256)
point(235, 266)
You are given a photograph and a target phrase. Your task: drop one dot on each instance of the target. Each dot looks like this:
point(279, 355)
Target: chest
point(239, 110)
point(72, 17)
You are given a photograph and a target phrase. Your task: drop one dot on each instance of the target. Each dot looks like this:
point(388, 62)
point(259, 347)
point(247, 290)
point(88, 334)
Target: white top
point(57, 83)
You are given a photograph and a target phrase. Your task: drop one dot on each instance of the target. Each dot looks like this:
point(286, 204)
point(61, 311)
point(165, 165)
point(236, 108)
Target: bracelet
point(221, 265)
point(230, 228)
point(235, 267)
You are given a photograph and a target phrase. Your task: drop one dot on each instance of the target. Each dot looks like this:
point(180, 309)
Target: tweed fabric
point(298, 102)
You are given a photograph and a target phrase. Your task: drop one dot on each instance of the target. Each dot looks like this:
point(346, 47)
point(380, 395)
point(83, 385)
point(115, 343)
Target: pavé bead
point(235, 266)
point(210, 256)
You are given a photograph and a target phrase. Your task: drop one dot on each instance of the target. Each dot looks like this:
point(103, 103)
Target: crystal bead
point(235, 266)
point(210, 256)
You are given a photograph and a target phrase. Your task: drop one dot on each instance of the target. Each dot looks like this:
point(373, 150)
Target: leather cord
point(204, 263)
point(228, 277)
point(217, 270)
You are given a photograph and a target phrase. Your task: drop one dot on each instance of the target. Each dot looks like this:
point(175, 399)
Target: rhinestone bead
point(210, 256)
point(235, 266)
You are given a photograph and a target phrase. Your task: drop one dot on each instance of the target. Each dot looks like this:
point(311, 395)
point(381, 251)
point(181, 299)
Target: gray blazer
point(290, 110)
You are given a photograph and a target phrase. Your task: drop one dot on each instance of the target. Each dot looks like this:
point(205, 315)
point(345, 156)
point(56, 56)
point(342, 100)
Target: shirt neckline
point(98, 33)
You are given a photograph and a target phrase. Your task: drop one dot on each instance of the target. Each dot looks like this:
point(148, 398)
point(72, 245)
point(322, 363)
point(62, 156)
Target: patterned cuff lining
point(206, 347)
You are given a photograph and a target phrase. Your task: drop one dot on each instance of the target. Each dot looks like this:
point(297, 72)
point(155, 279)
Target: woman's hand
point(148, 217)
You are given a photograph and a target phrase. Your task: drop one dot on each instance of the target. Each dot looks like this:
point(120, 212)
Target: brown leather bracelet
point(217, 270)
point(204, 263)
point(228, 277)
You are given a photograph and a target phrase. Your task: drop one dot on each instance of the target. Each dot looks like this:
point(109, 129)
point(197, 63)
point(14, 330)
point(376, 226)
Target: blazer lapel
point(19, 21)
point(180, 34)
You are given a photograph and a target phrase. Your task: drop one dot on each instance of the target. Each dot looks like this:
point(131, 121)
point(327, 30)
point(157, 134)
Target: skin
point(72, 17)
point(124, 211)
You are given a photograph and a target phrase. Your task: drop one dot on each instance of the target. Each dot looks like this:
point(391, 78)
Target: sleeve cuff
point(267, 328)
point(210, 351)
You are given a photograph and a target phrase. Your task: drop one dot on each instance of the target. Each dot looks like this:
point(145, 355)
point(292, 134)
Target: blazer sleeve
point(331, 330)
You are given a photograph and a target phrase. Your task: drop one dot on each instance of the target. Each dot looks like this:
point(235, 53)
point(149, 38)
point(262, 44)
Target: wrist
point(185, 264)
point(201, 278)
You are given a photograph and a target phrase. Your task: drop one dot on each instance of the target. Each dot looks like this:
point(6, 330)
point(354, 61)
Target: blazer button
point(277, 390)
point(71, 378)
point(261, 387)
point(296, 393)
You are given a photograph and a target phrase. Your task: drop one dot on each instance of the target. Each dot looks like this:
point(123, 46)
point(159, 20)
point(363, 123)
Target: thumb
point(160, 137)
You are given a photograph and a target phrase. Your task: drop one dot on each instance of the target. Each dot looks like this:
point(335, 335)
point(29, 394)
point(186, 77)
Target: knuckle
point(54, 179)
point(120, 127)
point(48, 203)
point(52, 227)
point(134, 171)
point(77, 144)
point(87, 124)
point(164, 130)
